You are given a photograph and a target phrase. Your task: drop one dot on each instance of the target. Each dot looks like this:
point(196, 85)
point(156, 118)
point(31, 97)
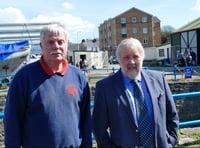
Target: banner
point(8, 49)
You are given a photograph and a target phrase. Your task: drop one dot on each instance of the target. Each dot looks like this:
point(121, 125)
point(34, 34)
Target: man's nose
point(56, 45)
point(132, 60)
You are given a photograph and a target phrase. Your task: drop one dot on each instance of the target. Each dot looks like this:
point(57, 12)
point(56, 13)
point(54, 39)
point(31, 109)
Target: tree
point(165, 33)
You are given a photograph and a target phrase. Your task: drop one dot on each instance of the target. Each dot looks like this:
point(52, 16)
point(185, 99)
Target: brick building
point(131, 23)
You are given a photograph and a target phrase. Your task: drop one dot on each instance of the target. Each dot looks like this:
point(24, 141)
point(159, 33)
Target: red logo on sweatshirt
point(71, 89)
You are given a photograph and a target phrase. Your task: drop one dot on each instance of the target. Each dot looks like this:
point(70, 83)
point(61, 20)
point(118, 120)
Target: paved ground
point(187, 136)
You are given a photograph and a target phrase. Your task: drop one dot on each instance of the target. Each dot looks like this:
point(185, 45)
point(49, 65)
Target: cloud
point(68, 5)
point(11, 15)
point(197, 6)
point(73, 24)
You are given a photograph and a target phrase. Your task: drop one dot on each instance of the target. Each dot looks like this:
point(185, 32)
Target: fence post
point(84, 71)
point(113, 70)
point(175, 67)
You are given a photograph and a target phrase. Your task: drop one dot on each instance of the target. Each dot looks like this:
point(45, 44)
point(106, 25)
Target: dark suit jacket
point(112, 112)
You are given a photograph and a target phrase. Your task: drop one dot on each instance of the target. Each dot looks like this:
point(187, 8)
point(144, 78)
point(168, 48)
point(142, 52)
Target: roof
point(195, 24)
point(133, 8)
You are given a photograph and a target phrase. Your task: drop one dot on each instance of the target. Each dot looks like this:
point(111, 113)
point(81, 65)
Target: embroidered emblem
point(71, 89)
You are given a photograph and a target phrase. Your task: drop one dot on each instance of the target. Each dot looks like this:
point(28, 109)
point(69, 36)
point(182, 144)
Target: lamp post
point(77, 39)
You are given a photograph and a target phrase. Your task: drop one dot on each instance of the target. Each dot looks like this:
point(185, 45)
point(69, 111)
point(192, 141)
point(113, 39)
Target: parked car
point(113, 60)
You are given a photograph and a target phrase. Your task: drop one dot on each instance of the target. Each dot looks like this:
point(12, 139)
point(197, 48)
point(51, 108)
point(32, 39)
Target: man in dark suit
point(115, 116)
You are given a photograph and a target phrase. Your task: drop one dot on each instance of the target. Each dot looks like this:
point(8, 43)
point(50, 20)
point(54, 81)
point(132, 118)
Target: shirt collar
point(127, 79)
point(51, 72)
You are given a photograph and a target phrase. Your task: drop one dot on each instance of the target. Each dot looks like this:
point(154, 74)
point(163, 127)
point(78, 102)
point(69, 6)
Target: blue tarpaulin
point(8, 49)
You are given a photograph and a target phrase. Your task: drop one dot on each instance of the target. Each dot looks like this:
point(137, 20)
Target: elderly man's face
point(130, 61)
point(54, 47)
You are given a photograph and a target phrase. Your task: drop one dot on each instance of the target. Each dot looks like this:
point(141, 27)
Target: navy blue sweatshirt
point(48, 110)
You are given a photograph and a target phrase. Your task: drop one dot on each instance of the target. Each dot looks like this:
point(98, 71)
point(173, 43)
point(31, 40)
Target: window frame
point(134, 20)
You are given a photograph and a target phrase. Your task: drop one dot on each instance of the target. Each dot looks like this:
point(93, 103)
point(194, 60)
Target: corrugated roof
point(189, 26)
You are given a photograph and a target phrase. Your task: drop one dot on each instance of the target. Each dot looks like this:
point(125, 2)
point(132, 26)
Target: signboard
point(188, 72)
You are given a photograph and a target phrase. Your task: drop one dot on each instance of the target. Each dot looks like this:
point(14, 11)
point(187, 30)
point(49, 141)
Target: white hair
point(130, 43)
point(53, 28)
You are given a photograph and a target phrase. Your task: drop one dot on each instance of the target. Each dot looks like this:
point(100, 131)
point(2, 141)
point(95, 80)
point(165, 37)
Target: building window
point(123, 25)
point(153, 33)
point(123, 20)
point(153, 24)
point(124, 35)
point(144, 19)
point(145, 41)
point(134, 19)
point(134, 30)
point(145, 30)
point(161, 53)
point(123, 32)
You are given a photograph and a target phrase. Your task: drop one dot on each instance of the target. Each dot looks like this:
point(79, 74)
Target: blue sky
point(82, 17)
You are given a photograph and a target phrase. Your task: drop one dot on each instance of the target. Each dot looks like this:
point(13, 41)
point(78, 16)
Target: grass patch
point(189, 133)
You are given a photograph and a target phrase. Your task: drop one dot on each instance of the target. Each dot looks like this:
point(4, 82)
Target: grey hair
point(53, 28)
point(132, 43)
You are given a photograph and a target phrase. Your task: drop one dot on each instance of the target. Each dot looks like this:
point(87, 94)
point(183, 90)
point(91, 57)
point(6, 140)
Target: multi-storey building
point(132, 23)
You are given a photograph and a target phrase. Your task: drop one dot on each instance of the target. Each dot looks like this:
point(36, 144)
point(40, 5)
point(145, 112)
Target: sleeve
point(172, 120)
point(85, 119)
point(100, 118)
point(14, 113)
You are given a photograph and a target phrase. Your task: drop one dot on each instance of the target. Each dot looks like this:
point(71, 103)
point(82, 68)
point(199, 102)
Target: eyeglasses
point(134, 58)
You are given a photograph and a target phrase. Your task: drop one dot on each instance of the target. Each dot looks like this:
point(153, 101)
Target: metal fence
point(173, 71)
point(175, 96)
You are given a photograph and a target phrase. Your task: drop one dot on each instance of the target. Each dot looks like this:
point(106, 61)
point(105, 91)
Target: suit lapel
point(151, 86)
point(149, 82)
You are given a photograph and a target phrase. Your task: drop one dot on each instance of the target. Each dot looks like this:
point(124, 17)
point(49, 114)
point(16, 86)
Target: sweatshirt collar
point(50, 71)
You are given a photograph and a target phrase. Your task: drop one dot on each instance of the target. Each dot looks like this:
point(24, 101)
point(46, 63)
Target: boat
point(13, 56)
point(33, 58)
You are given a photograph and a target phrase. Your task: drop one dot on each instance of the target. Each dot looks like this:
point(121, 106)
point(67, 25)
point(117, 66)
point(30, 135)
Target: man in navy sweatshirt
point(48, 102)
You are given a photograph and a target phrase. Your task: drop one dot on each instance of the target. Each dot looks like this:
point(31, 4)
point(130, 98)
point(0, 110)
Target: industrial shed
point(187, 39)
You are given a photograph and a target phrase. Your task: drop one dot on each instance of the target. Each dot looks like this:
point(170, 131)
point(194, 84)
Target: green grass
point(194, 134)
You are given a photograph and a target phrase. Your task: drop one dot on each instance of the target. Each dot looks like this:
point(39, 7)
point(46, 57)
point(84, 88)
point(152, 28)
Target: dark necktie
point(144, 124)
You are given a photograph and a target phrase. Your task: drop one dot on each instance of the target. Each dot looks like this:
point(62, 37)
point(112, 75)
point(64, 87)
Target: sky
point(83, 17)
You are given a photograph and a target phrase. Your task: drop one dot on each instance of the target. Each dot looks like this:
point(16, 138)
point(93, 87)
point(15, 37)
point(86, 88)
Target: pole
point(77, 42)
point(77, 39)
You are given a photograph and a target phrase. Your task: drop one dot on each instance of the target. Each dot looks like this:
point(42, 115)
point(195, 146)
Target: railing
point(175, 96)
point(167, 71)
point(5, 76)
point(173, 72)
point(178, 96)
point(187, 123)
